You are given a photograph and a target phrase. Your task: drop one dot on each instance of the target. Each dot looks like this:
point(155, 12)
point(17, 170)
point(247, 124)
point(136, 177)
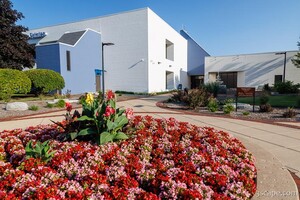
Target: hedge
point(45, 80)
point(13, 82)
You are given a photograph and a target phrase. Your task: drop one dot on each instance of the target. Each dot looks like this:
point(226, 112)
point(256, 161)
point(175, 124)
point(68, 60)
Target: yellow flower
point(89, 98)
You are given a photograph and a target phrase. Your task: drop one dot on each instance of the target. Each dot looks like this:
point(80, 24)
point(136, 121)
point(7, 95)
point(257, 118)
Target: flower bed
point(162, 159)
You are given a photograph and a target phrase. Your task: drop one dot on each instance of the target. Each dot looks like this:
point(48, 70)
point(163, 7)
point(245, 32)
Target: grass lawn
point(275, 101)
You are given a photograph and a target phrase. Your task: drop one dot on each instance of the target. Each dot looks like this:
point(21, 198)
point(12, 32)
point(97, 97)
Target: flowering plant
point(101, 120)
point(164, 159)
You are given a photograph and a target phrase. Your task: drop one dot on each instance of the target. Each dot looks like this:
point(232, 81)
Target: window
point(169, 50)
point(229, 79)
point(278, 79)
point(68, 57)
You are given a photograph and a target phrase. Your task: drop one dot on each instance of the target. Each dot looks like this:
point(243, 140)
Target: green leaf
point(106, 137)
point(110, 125)
point(73, 135)
point(121, 121)
point(121, 136)
point(87, 131)
point(120, 112)
point(84, 118)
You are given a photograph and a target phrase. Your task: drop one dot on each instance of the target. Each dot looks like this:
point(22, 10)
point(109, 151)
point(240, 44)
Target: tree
point(296, 59)
point(15, 52)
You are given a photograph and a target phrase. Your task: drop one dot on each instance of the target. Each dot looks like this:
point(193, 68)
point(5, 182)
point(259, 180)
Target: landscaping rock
point(17, 106)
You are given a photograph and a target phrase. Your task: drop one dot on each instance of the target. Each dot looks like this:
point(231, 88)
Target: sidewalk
point(276, 148)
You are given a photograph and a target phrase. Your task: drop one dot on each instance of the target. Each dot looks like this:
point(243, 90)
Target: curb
point(277, 123)
point(273, 180)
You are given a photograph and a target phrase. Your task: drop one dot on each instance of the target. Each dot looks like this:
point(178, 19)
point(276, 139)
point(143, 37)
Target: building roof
point(71, 38)
point(198, 71)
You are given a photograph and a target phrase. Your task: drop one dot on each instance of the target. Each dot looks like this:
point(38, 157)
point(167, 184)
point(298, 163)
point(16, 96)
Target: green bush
point(50, 105)
point(45, 81)
point(246, 113)
point(39, 150)
point(264, 99)
point(13, 82)
point(212, 105)
point(213, 88)
point(197, 98)
point(61, 103)
point(287, 87)
point(228, 108)
point(33, 108)
point(264, 106)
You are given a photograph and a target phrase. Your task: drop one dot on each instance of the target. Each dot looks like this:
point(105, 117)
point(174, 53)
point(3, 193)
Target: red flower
point(109, 111)
point(110, 95)
point(129, 113)
point(68, 106)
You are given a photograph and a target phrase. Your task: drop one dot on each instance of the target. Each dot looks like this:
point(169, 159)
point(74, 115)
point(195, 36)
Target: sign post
point(245, 92)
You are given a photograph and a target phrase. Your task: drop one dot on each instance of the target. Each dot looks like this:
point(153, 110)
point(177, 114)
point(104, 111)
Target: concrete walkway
point(276, 148)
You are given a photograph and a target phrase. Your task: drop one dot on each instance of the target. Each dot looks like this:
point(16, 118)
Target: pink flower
point(110, 95)
point(109, 111)
point(129, 113)
point(68, 106)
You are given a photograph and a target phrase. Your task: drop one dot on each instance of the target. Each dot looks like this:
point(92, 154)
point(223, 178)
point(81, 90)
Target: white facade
point(148, 55)
point(253, 70)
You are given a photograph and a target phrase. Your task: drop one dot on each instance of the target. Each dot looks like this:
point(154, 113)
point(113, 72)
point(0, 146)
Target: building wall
point(196, 55)
point(47, 57)
point(85, 58)
point(253, 69)
point(159, 31)
point(126, 61)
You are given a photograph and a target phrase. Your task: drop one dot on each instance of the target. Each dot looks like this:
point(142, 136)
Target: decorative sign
point(37, 35)
point(245, 91)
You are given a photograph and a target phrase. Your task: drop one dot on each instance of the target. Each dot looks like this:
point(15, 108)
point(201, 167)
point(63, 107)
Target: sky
point(221, 27)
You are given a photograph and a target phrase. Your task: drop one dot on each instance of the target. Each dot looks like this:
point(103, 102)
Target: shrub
point(264, 99)
point(290, 113)
point(33, 108)
point(265, 108)
point(197, 98)
point(49, 105)
point(13, 82)
point(212, 88)
point(246, 113)
point(61, 103)
point(228, 108)
point(45, 81)
point(179, 96)
point(212, 105)
point(41, 151)
point(286, 87)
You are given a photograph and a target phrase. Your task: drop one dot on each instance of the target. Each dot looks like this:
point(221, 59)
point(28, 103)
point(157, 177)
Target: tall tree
point(15, 52)
point(296, 59)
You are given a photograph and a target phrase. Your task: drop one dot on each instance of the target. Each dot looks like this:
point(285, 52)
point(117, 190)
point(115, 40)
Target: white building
point(252, 70)
point(148, 55)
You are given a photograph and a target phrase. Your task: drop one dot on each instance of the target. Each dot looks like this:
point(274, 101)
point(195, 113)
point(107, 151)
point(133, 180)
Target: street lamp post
point(104, 44)
point(284, 64)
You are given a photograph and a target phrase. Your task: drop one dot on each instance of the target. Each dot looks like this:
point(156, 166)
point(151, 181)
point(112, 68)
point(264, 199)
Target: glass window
point(68, 57)
point(169, 50)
